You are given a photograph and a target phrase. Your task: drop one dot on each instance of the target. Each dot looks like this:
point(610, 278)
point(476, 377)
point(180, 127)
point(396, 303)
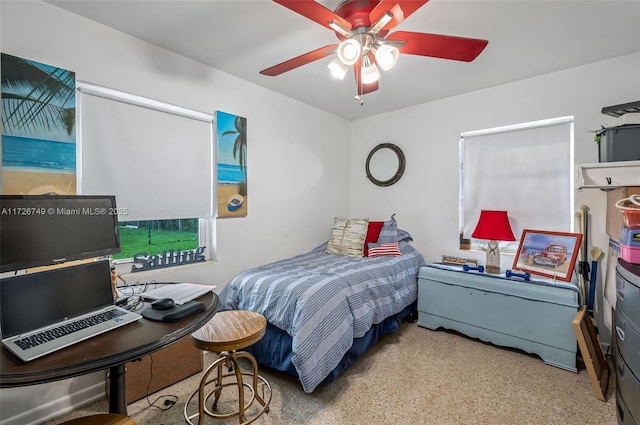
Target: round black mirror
point(385, 164)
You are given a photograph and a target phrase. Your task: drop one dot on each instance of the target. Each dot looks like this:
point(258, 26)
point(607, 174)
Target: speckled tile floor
point(415, 376)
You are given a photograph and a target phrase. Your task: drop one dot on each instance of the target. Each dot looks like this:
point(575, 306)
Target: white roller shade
point(158, 159)
point(526, 170)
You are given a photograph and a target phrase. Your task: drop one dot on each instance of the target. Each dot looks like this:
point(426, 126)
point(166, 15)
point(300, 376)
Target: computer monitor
point(41, 230)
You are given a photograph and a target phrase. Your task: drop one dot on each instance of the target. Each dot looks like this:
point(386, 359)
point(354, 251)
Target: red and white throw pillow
point(390, 249)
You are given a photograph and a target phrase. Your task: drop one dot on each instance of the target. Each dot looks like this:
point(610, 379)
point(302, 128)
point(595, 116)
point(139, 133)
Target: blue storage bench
point(534, 316)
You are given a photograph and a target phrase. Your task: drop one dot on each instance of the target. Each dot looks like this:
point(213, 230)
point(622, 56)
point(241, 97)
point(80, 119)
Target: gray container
point(628, 341)
point(628, 291)
point(620, 144)
point(627, 389)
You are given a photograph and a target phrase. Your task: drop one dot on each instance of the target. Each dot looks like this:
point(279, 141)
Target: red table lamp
point(493, 226)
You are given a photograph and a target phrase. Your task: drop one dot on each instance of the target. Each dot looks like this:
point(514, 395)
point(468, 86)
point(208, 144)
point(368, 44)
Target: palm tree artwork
point(232, 164)
point(38, 128)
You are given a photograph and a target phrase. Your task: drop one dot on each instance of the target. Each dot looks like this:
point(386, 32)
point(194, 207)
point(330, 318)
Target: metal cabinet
point(627, 343)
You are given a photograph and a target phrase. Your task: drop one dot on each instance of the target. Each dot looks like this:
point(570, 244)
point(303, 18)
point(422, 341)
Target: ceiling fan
point(363, 27)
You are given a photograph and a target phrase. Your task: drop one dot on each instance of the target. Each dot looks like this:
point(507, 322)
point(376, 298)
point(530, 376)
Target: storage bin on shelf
point(629, 236)
point(630, 209)
point(620, 143)
point(630, 245)
point(630, 254)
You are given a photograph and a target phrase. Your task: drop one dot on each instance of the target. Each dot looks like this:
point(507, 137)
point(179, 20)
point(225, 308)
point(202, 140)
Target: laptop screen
point(33, 300)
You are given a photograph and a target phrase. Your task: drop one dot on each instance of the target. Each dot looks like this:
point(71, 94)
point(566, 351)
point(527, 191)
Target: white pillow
point(347, 236)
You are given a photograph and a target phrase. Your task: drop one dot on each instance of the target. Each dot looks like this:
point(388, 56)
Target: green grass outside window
point(157, 236)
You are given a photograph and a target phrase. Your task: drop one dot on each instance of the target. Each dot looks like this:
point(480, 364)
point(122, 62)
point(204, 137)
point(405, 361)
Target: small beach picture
point(38, 128)
point(231, 135)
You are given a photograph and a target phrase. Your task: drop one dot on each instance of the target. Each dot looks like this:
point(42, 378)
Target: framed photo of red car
point(549, 254)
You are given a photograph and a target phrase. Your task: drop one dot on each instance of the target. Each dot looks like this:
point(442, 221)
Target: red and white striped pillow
point(391, 249)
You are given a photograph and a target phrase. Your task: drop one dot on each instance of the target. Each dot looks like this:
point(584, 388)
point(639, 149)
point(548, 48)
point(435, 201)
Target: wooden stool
point(227, 332)
point(102, 419)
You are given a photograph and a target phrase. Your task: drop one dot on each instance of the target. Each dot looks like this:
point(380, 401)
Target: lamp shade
point(369, 72)
point(386, 56)
point(338, 69)
point(493, 225)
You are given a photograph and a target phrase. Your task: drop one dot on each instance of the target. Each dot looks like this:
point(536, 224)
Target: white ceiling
point(242, 37)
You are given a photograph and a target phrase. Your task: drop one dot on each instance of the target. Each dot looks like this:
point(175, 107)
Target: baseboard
point(39, 413)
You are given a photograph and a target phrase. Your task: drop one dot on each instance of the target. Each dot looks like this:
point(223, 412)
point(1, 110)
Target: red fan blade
point(309, 57)
point(401, 9)
point(363, 88)
point(315, 11)
point(439, 46)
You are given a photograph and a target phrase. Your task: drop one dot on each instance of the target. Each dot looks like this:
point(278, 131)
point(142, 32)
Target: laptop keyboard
point(66, 329)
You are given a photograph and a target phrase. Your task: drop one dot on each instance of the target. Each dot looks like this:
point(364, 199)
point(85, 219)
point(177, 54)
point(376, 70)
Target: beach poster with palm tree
point(38, 128)
point(231, 134)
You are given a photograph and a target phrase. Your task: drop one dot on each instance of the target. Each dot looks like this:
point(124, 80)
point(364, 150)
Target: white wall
point(426, 198)
point(297, 155)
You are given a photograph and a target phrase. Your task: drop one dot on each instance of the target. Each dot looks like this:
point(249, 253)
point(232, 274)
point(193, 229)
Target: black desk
point(110, 350)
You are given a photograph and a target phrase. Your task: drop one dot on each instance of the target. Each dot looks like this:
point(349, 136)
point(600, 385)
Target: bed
point(324, 310)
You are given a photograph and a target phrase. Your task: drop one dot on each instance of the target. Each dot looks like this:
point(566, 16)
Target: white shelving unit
point(608, 174)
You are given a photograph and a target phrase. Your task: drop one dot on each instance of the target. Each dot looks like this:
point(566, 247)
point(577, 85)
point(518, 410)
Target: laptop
point(46, 311)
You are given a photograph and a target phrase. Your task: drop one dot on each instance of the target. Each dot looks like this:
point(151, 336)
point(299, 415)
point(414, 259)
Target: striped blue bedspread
point(324, 301)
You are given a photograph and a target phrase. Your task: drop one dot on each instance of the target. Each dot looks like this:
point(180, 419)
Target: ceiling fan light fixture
point(349, 51)
point(386, 56)
point(338, 69)
point(365, 42)
point(369, 73)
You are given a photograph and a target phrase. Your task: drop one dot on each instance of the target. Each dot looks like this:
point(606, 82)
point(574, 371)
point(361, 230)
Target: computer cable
point(134, 293)
point(169, 399)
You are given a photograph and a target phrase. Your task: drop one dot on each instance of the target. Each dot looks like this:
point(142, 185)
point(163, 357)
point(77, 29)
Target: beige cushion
point(347, 236)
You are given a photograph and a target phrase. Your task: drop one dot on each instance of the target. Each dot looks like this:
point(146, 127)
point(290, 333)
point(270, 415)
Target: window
point(158, 160)
point(155, 236)
point(525, 169)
